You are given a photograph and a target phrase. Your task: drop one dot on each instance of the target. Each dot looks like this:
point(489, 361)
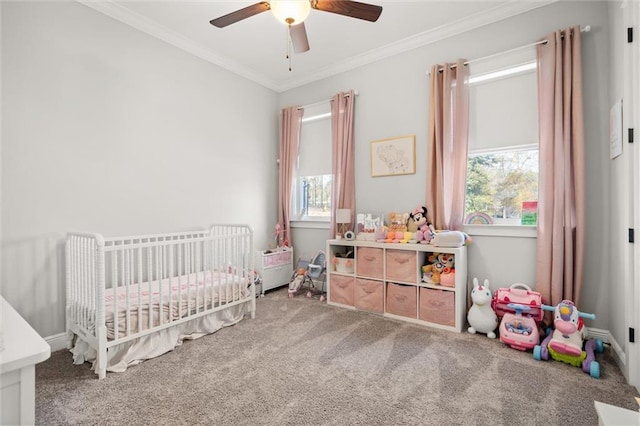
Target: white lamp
point(290, 12)
point(343, 216)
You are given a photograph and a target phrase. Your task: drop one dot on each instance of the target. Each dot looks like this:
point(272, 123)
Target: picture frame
point(393, 156)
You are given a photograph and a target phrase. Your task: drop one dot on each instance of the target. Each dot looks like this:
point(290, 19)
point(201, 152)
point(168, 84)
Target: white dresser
point(610, 415)
point(23, 349)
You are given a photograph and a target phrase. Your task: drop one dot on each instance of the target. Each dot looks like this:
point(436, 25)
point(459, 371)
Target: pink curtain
point(342, 157)
point(447, 145)
point(290, 123)
point(561, 198)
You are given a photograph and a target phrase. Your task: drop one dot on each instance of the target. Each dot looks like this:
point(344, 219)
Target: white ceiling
point(256, 47)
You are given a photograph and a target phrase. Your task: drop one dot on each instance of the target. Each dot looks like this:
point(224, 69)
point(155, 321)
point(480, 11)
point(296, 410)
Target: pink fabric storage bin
point(369, 295)
point(341, 289)
point(402, 266)
point(437, 306)
point(402, 300)
point(369, 262)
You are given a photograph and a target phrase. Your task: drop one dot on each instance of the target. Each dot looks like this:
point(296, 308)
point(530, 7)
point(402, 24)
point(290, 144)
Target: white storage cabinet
point(386, 278)
point(275, 267)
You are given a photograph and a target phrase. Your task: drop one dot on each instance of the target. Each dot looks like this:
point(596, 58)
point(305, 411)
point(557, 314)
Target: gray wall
point(109, 130)
point(392, 101)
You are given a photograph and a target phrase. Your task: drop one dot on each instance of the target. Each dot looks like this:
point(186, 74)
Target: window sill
point(310, 223)
point(501, 231)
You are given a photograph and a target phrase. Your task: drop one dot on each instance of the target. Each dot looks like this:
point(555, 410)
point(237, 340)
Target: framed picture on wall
point(394, 156)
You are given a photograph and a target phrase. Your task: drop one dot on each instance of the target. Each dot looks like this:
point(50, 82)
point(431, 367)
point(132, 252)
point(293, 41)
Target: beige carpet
point(302, 362)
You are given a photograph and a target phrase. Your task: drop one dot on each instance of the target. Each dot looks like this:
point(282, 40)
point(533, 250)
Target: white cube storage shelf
point(387, 279)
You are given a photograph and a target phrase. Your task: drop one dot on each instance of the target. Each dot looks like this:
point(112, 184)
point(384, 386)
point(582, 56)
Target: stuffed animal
point(430, 274)
point(441, 263)
point(481, 316)
point(419, 224)
point(450, 239)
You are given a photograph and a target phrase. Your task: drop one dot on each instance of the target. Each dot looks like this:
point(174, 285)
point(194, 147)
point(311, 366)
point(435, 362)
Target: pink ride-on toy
point(518, 308)
point(517, 330)
point(565, 343)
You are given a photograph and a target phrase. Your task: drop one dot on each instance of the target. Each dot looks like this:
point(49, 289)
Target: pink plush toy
point(419, 224)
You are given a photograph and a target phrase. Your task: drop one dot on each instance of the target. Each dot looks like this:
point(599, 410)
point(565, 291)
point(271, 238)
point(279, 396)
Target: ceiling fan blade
point(240, 14)
point(298, 34)
point(353, 9)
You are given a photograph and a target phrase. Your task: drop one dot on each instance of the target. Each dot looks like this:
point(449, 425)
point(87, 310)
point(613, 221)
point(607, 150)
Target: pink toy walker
point(565, 343)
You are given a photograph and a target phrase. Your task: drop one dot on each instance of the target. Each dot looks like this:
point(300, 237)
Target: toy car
point(517, 330)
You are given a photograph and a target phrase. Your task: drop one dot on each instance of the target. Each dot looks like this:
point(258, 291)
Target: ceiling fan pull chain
point(289, 46)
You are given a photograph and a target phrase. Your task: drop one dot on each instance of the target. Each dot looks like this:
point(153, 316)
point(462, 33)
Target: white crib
point(134, 298)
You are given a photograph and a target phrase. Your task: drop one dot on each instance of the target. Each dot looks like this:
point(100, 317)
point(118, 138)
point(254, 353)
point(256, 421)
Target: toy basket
point(343, 265)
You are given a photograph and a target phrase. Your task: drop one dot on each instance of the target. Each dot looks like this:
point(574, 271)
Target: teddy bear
point(420, 226)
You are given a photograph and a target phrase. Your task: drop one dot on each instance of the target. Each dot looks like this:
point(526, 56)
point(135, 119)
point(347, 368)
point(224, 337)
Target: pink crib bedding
point(151, 304)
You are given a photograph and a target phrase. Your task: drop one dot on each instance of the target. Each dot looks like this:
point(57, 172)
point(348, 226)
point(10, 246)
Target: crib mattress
point(151, 304)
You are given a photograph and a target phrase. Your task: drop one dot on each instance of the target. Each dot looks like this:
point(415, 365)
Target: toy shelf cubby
point(386, 278)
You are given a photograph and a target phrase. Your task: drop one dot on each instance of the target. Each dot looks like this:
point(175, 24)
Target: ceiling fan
point(293, 13)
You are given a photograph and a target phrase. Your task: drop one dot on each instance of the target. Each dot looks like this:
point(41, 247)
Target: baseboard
point(57, 342)
point(607, 337)
point(597, 333)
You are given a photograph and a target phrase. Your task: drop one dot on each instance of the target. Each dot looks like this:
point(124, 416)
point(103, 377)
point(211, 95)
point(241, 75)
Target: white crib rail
point(132, 268)
point(84, 285)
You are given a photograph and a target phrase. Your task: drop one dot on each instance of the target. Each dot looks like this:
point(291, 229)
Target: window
point(501, 183)
point(312, 192)
point(502, 169)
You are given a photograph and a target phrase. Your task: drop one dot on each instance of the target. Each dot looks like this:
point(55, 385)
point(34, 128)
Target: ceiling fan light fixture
point(290, 12)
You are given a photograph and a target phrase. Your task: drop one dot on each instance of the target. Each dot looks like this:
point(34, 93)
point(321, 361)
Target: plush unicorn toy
point(481, 316)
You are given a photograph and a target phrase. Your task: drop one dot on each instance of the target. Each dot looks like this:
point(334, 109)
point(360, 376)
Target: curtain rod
point(584, 29)
point(355, 92)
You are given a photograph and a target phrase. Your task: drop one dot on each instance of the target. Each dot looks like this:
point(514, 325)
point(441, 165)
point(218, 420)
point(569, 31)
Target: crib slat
point(114, 289)
point(179, 273)
point(139, 285)
point(159, 281)
point(127, 292)
point(148, 288)
point(171, 280)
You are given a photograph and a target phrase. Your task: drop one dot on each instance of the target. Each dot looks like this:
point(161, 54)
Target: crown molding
point(135, 20)
point(489, 16)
